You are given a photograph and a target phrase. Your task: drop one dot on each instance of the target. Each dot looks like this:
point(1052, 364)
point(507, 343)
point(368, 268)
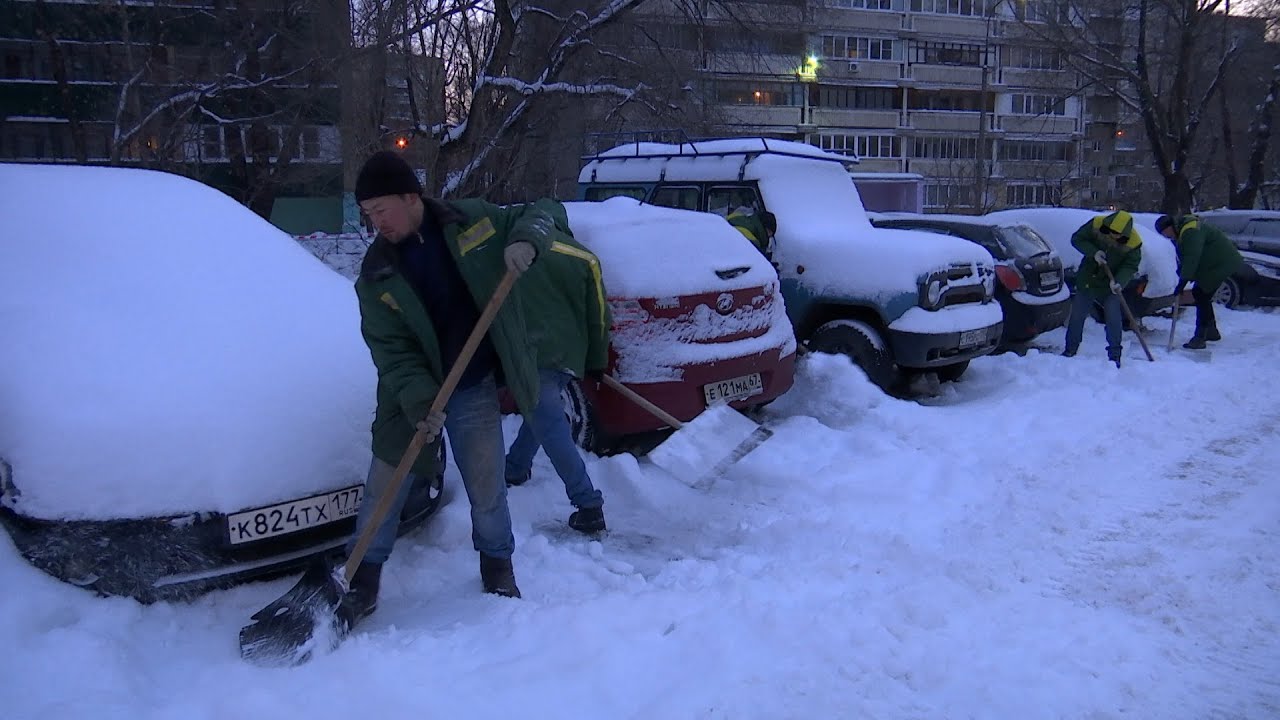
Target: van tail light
point(1010, 278)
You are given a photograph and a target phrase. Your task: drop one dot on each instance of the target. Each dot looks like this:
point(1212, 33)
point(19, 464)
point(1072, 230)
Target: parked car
point(698, 318)
point(1254, 230)
point(1256, 283)
point(1151, 289)
point(187, 396)
point(905, 306)
point(1032, 290)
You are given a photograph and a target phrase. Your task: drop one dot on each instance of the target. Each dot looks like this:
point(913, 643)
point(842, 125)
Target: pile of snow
point(168, 351)
point(981, 557)
point(1056, 225)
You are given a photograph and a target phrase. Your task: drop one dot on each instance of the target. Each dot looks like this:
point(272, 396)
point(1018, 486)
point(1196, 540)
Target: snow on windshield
point(1056, 225)
point(168, 351)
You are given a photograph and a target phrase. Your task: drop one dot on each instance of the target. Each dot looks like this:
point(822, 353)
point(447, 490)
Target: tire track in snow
point(1212, 512)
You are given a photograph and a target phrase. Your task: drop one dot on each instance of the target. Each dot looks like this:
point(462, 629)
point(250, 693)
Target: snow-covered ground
point(1052, 538)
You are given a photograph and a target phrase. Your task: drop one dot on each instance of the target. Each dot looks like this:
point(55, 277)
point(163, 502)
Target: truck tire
point(863, 344)
point(951, 373)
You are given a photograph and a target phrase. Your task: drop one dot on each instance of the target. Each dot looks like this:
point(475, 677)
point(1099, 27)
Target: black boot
point(587, 520)
point(1197, 342)
point(362, 597)
point(1069, 352)
point(1212, 334)
point(498, 576)
point(518, 480)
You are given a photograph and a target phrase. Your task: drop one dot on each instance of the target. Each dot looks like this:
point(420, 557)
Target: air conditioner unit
point(853, 67)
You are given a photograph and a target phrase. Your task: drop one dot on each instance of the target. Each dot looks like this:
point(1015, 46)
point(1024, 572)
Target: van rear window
point(597, 194)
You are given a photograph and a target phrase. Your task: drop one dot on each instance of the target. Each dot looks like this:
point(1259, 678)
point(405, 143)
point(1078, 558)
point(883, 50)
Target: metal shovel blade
point(307, 618)
point(706, 445)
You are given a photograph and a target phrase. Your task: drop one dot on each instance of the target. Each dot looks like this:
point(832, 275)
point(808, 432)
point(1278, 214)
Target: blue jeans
point(550, 429)
point(1082, 308)
point(473, 422)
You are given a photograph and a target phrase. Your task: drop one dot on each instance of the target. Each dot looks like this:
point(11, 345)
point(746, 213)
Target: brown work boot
point(498, 576)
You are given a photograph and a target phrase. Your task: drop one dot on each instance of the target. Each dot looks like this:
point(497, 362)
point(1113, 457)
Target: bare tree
point(1159, 58)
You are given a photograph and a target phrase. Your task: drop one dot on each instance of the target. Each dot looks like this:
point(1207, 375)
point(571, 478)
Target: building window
point(1034, 150)
point(944, 53)
point(861, 4)
point(759, 93)
point(950, 195)
point(944, 148)
point(1037, 105)
point(311, 143)
point(849, 47)
point(1021, 195)
point(856, 98)
point(1032, 57)
point(949, 7)
point(865, 146)
point(211, 142)
point(945, 100)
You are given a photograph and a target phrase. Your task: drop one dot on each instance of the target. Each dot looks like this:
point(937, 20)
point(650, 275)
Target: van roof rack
point(687, 147)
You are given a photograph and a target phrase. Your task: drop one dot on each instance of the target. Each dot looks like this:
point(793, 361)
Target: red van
point(697, 319)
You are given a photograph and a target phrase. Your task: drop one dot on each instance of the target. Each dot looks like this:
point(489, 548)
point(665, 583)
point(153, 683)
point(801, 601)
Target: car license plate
point(733, 389)
point(969, 338)
point(294, 516)
point(1048, 279)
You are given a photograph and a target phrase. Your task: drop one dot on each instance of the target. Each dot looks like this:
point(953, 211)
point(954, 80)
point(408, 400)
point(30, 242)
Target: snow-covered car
point(903, 305)
point(698, 318)
point(1032, 290)
point(1257, 231)
point(185, 395)
point(1151, 289)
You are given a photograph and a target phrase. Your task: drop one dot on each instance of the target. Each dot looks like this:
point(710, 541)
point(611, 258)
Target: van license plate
point(969, 338)
point(733, 389)
point(294, 516)
point(1048, 279)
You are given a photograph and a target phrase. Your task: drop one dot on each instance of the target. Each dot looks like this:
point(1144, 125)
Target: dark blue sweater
point(432, 272)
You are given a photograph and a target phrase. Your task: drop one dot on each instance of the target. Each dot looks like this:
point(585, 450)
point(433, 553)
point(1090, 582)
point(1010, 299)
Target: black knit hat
point(1163, 222)
point(386, 173)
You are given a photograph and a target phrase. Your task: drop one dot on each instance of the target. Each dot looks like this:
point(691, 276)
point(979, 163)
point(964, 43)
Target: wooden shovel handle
point(1133, 322)
point(634, 397)
point(419, 440)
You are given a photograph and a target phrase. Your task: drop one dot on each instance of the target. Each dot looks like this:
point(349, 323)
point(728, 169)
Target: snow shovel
point(311, 615)
point(702, 448)
point(1137, 329)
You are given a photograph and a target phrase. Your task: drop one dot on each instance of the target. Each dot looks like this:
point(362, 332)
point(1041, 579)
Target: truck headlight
point(933, 294)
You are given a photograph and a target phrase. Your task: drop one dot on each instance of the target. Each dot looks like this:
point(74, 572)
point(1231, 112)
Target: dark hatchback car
point(1032, 290)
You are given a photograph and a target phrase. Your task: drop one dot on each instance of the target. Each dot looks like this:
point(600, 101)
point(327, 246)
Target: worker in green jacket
point(569, 325)
point(1110, 241)
point(422, 283)
point(756, 227)
point(1207, 257)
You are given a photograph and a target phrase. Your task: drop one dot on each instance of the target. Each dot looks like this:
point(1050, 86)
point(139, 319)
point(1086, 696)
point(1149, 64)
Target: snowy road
point(1053, 539)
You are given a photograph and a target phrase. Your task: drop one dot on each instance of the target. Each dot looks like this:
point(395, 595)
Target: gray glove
point(1100, 257)
point(431, 425)
point(519, 256)
point(1115, 287)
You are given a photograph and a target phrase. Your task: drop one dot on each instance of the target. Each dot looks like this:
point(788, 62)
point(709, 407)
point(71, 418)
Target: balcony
point(882, 70)
point(1038, 124)
point(949, 75)
point(845, 118)
point(761, 114)
point(953, 120)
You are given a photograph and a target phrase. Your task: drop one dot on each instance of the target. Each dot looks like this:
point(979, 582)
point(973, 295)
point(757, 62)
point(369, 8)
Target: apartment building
point(210, 89)
point(953, 90)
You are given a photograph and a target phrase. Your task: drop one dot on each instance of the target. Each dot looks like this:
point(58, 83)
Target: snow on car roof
point(169, 351)
point(648, 251)
point(1056, 225)
point(724, 145)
